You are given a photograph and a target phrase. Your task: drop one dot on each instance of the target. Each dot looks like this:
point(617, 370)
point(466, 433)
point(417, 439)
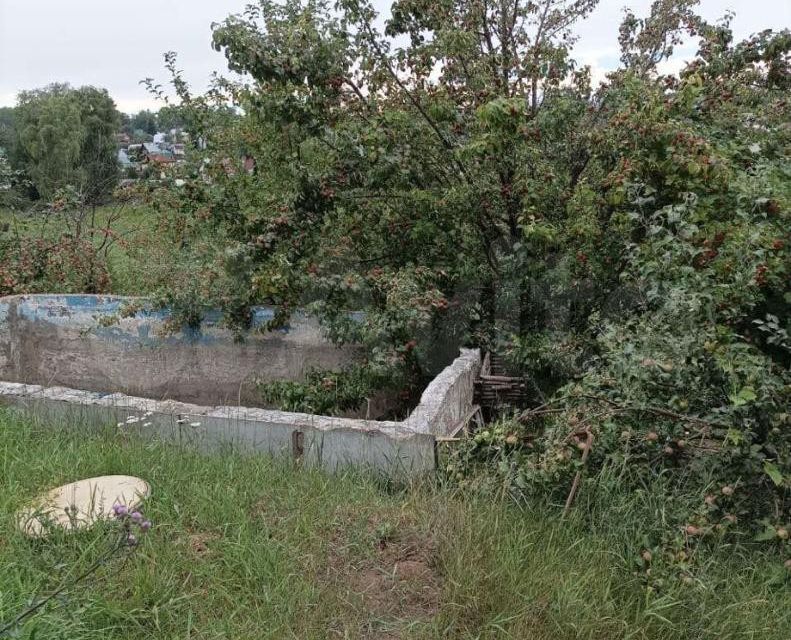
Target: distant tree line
point(63, 136)
point(141, 126)
point(60, 136)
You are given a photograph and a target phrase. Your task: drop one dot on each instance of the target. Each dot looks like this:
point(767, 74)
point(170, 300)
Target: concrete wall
point(396, 448)
point(448, 398)
point(62, 361)
point(66, 340)
point(331, 443)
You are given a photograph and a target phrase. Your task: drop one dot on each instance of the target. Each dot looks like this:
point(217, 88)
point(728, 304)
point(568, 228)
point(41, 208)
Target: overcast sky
point(116, 43)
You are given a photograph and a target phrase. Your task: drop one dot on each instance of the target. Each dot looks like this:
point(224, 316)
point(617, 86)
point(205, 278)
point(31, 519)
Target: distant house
point(135, 153)
point(123, 159)
point(155, 154)
point(151, 148)
point(144, 155)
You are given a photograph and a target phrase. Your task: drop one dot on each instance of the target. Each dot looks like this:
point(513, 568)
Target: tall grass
point(252, 547)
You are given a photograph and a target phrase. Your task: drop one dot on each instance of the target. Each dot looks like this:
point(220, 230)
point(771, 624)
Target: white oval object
point(81, 504)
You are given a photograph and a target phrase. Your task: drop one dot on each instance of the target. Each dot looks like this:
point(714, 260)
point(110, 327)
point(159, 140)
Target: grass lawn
point(251, 547)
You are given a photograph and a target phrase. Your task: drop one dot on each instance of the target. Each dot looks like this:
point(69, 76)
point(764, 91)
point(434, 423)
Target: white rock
point(81, 504)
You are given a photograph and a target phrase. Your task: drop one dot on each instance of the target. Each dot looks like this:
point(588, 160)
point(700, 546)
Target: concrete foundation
point(58, 366)
point(89, 342)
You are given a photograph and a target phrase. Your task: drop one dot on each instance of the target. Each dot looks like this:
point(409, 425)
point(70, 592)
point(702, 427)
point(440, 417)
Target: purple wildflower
point(131, 539)
point(136, 517)
point(120, 510)
point(145, 525)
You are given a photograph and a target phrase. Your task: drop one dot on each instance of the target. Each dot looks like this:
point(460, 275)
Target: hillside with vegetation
point(454, 173)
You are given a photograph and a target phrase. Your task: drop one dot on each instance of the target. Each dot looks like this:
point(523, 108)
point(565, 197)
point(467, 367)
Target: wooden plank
point(494, 378)
point(486, 367)
point(463, 423)
point(492, 388)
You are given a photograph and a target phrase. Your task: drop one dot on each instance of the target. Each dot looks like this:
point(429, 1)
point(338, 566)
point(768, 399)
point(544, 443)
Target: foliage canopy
point(66, 137)
point(456, 175)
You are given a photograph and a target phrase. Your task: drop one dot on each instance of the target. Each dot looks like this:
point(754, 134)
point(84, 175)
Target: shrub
point(42, 265)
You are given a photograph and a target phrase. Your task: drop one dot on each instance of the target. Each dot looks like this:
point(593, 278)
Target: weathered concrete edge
point(312, 439)
point(397, 448)
point(88, 342)
point(448, 398)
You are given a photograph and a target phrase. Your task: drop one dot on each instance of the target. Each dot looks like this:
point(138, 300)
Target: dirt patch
point(387, 573)
point(199, 544)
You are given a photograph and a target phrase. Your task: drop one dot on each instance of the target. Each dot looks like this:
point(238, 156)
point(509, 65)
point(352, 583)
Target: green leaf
point(745, 396)
point(774, 473)
point(770, 533)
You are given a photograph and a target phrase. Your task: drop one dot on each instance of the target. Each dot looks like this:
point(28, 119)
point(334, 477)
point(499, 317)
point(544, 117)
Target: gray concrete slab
point(101, 367)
